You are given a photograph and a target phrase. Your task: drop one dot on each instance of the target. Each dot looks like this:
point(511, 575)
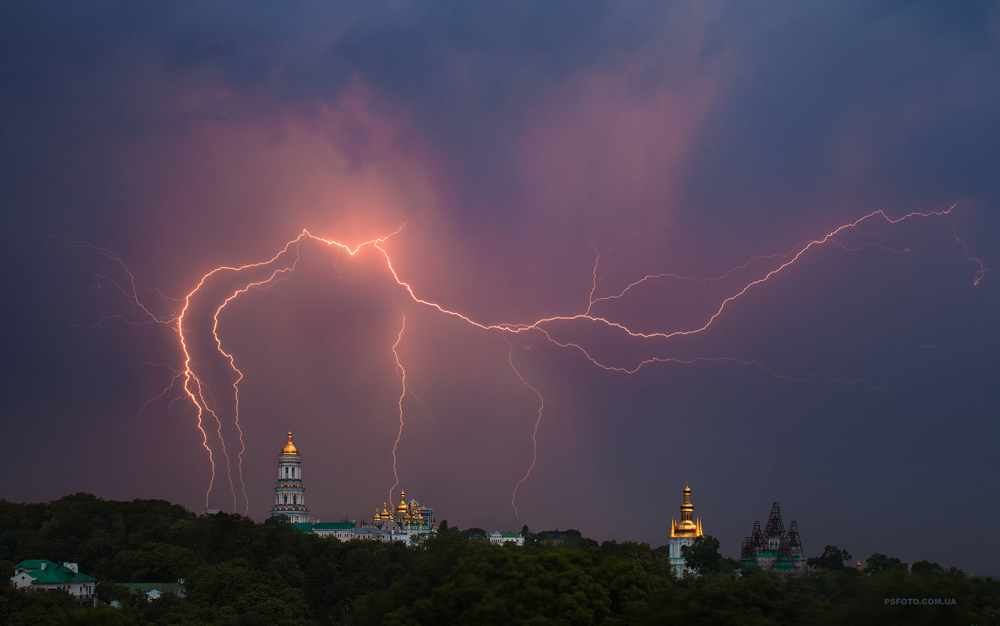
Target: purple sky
point(858, 386)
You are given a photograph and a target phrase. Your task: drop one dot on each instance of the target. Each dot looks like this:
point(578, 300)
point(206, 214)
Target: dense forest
point(238, 572)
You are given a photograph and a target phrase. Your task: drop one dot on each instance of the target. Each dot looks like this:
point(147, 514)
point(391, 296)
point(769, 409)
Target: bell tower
point(683, 534)
point(289, 493)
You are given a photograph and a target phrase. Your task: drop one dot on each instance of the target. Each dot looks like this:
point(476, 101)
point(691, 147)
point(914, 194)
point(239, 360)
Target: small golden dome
point(401, 507)
point(385, 511)
point(289, 447)
point(377, 518)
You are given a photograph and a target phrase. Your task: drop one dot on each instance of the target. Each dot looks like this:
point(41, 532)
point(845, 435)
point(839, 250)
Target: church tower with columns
point(289, 493)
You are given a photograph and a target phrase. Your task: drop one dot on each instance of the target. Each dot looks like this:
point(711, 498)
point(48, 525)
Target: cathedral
point(774, 549)
point(683, 534)
point(405, 523)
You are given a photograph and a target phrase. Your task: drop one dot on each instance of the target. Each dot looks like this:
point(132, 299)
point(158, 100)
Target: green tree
point(461, 582)
point(879, 563)
point(6, 546)
point(832, 559)
point(703, 555)
point(728, 565)
point(474, 532)
point(277, 520)
point(154, 562)
point(927, 568)
point(443, 526)
point(630, 552)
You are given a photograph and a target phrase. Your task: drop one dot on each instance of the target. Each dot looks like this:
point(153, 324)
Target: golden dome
point(385, 512)
point(377, 518)
point(401, 507)
point(289, 447)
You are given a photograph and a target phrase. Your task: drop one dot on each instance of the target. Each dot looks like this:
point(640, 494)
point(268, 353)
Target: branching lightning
point(282, 264)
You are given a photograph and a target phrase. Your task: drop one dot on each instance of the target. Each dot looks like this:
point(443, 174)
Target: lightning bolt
point(280, 267)
point(534, 433)
point(401, 372)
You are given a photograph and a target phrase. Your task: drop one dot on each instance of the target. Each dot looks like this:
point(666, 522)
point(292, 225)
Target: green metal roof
point(334, 526)
point(305, 527)
point(784, 565)
point(53, 572)
point(147, 587)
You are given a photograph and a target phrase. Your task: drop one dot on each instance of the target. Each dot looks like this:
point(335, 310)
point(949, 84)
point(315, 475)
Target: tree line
point(240, 573)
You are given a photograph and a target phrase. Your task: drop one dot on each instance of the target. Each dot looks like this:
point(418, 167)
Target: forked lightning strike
point(280, 266)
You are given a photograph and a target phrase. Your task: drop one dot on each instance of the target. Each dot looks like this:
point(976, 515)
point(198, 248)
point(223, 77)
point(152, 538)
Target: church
point(774, 549)
point(405, 523)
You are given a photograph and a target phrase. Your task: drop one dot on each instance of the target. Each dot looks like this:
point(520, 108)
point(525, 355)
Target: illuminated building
point(683, 534)
point(774, 549)
point(405, 523)
point(289, 493)
point(500, 538)
point(344, 531)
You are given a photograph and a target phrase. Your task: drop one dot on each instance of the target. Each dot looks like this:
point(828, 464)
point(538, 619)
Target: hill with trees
point(240, 573)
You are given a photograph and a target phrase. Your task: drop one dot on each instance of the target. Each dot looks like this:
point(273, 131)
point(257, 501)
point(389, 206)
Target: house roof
point(305, 527)
point(54, 573)
point(147, 587)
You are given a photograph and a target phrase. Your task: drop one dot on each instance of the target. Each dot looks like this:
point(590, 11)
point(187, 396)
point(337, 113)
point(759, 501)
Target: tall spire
point(775, 527)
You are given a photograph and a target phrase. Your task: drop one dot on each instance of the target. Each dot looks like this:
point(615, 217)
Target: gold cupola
point(289, 447)
point(401, 508)
point(377, 518)
point(688, 526)
point(385, 512)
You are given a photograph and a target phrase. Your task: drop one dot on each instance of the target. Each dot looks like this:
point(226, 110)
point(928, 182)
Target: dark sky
point(859, 385)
